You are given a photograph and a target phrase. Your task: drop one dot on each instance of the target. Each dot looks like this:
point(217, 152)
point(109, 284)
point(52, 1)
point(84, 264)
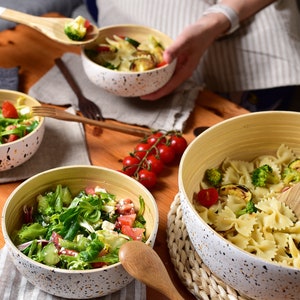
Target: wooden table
point(35, 54)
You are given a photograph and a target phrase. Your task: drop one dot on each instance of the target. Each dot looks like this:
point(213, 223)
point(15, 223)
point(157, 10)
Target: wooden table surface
point(35, 54)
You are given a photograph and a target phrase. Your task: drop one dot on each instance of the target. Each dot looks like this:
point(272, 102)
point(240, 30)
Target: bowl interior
point(77, 178)
point(136, 32)
point(13, 96)
point(241, 138)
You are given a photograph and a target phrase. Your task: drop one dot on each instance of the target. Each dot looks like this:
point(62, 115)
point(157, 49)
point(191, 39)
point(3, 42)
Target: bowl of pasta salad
point(63, 229)
point(21, 134)
point(230, 178)
point(127, 60)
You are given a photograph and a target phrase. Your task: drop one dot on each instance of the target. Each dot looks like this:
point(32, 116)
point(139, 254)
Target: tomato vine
point(152, 154)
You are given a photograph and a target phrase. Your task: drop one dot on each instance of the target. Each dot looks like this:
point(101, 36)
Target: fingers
point(181, 74)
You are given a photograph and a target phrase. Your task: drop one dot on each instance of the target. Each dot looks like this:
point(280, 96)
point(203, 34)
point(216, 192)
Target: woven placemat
point(191, 270)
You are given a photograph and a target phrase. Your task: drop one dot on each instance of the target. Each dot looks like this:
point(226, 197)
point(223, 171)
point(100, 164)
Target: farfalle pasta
point(272, 230)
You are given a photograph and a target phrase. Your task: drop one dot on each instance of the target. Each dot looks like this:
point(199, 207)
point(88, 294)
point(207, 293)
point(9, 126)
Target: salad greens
point(15, 121)
point(81, 232)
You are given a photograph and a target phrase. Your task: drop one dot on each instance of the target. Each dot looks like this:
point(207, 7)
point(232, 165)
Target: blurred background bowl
point(128, 84)
point(241, 138)
point(68, 283)
point(15, 153)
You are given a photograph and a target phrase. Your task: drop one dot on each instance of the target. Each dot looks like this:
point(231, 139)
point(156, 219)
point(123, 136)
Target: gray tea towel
point(63, 144)
point(14, 286)
point(9, 78)
point(169, 113)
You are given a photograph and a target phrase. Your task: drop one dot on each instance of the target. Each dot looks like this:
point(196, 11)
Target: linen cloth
point(14, 286)
point(169, 113)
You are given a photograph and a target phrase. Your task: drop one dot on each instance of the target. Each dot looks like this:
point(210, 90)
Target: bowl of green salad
point(20, 133)
point(63, 229)
point(127, 60)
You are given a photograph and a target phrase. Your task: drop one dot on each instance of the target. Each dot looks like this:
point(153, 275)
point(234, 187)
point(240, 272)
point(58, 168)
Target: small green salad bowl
point(70, 283)
point(22, 135)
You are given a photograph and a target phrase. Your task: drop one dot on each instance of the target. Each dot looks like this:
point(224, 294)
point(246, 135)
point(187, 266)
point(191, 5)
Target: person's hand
point(188, 48)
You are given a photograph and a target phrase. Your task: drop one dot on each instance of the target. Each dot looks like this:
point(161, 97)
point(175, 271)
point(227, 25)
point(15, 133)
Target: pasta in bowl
point(255, 252)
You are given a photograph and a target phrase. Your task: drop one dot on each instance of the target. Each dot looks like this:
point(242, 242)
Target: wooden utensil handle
point(16, 16)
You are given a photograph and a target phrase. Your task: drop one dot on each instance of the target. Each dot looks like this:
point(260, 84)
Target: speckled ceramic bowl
point(16, 153)
point(128, 84)
point(67, 283)
point(245, 138)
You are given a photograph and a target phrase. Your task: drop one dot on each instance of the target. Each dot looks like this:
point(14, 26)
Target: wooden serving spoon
point(144, 264)
point(291, 197)
point(51, 27)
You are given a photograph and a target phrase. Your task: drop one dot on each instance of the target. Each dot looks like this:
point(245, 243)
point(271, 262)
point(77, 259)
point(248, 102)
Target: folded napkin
point(9, 78)
point(63, 144)
point(168, 113)
point(14, 286)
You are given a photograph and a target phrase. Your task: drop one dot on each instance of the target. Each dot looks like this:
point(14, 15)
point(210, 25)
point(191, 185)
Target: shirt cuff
point(228, 12)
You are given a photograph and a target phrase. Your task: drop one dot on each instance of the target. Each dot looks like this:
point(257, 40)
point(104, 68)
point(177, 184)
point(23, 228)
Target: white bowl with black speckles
point(244, 137)
point(128, 84)
point(15, 153)
point(71, 284)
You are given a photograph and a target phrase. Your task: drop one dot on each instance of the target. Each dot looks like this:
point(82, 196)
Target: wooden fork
point(52, 112)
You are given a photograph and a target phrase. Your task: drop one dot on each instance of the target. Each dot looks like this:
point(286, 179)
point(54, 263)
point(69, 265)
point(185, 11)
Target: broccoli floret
point(249, 209)
point(292, 172)
point(75, 29)
point(263, 175)
point(213, 177)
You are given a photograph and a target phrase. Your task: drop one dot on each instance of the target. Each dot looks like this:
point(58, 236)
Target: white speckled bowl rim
point(194, 274)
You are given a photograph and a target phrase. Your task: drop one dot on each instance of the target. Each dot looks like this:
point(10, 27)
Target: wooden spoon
point(144, 264)
point(51, 27)
point(291, 197)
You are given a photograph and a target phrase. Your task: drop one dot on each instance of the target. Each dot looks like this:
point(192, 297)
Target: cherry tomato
point(161, 64)
point(208, 197)
point(147, 178)
point(87, 25)
point(155, 164)
point(142, 149)
point(130, 164)
point(178, 143)
point(166, 153)
point(9, 110)
point(156, 137)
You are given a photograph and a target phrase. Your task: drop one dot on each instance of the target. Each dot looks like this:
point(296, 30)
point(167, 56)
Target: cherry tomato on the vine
point(130, 164)
point(155, 164)
point(153, 138)
point(147, 178)
point(178, 143)
point(166, 153)
point(208, 197)
point(140, 150)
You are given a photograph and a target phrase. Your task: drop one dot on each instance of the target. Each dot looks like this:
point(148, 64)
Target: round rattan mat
point(191, 270)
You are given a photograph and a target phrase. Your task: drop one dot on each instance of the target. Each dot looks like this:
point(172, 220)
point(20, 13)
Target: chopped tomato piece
point(12, 138)
point(9, 110)
point(161, 64)
point(135, 233)
point(90, 190)
point(125, 207)
point(98, 264)
point(127, 220)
